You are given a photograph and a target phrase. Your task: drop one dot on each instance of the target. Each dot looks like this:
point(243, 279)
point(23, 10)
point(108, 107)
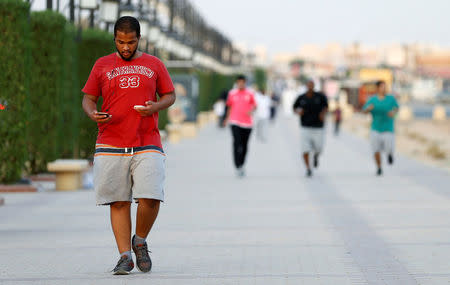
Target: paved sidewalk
point(343, 226)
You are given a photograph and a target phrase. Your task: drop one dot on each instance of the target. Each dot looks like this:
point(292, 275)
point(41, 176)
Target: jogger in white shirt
point(262, 115)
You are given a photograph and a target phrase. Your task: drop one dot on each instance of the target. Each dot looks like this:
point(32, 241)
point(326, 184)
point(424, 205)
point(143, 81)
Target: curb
point(42, 178)
point(17, 188)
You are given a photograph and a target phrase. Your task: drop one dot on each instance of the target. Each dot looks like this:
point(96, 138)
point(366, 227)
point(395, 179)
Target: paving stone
point(343, 226)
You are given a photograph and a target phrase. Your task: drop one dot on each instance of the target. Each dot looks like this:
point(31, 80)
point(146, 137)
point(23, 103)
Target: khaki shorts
point(124, 174)
point(312, 139)
point(382, 141)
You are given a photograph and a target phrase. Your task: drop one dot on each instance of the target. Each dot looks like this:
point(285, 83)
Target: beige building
point(325, 58)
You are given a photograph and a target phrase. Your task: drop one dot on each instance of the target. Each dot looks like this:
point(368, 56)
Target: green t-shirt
point(381, 122)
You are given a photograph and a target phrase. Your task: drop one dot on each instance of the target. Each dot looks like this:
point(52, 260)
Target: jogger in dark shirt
point(312, 108)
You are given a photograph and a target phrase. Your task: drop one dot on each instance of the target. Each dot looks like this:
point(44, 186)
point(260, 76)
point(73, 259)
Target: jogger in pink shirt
point(241, 105)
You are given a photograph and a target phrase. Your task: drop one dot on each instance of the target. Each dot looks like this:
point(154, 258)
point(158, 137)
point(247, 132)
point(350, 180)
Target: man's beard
point(127, 59)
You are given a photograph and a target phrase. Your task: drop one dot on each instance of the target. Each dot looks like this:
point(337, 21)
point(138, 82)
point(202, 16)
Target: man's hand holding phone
point(147, 110)
point(100, 117)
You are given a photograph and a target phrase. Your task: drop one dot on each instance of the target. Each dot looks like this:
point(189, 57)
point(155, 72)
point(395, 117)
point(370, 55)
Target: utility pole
point(72, 11)
point(172, 12)
point(91, 18)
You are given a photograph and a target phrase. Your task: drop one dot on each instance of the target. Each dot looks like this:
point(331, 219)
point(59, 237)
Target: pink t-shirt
point(241, 103)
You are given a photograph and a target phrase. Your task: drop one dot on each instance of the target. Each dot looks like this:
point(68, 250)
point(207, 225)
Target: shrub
point(260, 78)
point(436, 152)
point(14, 66)
point(48, 30)
point(70, 110)
point(211, 85)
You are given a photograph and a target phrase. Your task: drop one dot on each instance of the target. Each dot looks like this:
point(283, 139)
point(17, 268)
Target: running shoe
point(308, 173)
point(390, 159)
point(240, 172)
point(316, 160)
point(124, 266)
point(379, 172)
point(143, 261)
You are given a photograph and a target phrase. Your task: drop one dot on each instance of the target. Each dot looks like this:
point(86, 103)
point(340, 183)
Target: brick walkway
point(344, 226)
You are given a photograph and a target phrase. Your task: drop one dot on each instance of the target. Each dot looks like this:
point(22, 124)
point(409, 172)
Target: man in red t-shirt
point(129, 160)
point(241, 104)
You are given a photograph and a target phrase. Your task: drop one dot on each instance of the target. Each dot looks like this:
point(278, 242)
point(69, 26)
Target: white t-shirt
point(263, 109)
point(219, 108)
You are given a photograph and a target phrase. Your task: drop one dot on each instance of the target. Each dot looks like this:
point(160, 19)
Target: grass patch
point(436, 152)
point(416, 136)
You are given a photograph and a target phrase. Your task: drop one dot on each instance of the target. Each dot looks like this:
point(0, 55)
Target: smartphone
point(106, 115)
point(139, 106)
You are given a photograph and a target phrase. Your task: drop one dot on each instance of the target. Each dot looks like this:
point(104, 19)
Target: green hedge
point(71, 109)
point(163, 119)
point(205, 91)
point(94, 44)
point(48, 31)
point(220, 83)
point(44, 66)
point(260, 78)
point(62, 59)
point(14, 17)
point(211, 85)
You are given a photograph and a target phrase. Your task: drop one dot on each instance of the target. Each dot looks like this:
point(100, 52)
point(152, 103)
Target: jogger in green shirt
point(383, 108)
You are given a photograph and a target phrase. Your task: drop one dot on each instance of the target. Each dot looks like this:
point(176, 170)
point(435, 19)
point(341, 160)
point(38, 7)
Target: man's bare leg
point(306, 160)
point(121, 225)
point(147, 212)
point(378, 162)
point(145, 218)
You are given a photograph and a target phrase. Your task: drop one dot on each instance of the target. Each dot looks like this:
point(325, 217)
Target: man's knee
point(120, 205)
point(152, 203)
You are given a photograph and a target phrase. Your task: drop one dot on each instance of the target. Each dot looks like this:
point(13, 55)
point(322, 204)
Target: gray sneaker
point(240, 172)
point(143, 261)
point(124, 266)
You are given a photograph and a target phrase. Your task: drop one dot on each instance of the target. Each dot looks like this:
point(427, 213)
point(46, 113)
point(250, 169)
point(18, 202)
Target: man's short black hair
point(379, 83)
point(241, 77)
point(127, 24)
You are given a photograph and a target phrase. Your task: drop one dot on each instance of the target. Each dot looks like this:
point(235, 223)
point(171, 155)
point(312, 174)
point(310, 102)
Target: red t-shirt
point(241, 103)
point(123, 84)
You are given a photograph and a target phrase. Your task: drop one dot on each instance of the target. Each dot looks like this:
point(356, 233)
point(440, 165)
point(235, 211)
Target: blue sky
point(283, 25)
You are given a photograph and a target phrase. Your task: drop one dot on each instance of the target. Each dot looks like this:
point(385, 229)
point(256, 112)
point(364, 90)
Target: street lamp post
point(144, 22)
point(109, 11)
point(155, 28)
point(90, 5)
point(162, 45)
point(153, 35)
point(72, 11)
